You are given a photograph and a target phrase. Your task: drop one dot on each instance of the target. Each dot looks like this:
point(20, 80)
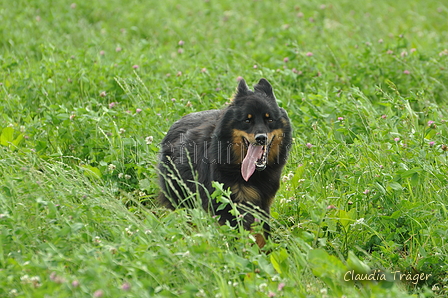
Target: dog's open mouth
point(255, 159)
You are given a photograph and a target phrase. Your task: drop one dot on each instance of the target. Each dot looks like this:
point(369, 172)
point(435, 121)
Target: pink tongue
point(253, 154)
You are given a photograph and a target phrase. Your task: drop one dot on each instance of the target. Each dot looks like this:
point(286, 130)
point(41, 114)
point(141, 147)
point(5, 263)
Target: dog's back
point(183, 154)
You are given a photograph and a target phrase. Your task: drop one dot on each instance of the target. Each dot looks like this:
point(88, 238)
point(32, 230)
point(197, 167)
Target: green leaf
point(328, 268)
point(7, 136)
point(395, 186)
point(356, 264)
point(18, 140)
point(410, 172)
point(278, 260)
point(92, 172)
point(415, 179)
point(347, 218)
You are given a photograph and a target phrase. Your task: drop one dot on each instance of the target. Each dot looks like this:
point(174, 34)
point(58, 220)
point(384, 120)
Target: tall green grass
point(89, 89)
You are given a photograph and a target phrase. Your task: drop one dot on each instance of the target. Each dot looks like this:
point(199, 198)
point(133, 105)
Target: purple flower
point(389, 52)
point(111, 105)
point(286, 59)
point(329, 207)
point(75, 283)
point(366, 192)
point(255, 66)
point(239, 78)
point(126, 286)
point(181, 42)
point(383, 116)
point(397, 139)
point(102, 53)
point(138, 111)
point(406, 72)
point(103, 94)
point(431, 144)
point(281, 286)
point(340, 118)
point(309, 145)
point(118, 49)
point(309, 54)
point(203, 70)
point(135, 66)
point(430, 123)
point(98, 293)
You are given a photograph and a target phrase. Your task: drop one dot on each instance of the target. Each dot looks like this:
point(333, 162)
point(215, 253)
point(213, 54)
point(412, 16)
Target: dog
point(243, 146)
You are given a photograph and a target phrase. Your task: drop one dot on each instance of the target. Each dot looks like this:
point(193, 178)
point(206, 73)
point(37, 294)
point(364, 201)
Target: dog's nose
point(261, 139)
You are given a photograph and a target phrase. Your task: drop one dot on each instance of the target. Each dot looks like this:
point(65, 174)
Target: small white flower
point(149, 140)
point(25, 278)
point(358, 222)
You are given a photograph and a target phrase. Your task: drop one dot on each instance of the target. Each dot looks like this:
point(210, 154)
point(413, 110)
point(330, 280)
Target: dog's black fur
point(211, 145)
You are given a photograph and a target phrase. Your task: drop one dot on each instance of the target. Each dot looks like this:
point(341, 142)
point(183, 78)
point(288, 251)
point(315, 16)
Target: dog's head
point(258, 127)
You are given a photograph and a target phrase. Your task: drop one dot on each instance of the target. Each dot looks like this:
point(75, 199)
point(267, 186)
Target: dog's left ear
point(263, 86)
point(242, 89)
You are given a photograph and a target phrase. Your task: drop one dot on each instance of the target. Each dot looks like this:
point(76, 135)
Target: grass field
point(88, 90)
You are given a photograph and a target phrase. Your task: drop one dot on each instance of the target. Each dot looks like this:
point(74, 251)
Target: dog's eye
point(247, 120)
point(270, 120)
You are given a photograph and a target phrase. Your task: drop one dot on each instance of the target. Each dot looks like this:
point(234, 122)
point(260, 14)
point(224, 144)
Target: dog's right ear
point(242, 89)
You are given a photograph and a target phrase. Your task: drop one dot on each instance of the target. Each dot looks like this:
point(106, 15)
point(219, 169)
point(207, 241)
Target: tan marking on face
point(276, 139)
point(285, 123)
point(267, 115)
point(238, 147)
point(249, 116)
point(245, 193)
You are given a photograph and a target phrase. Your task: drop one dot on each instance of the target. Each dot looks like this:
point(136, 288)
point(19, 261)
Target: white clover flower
point(149, 140)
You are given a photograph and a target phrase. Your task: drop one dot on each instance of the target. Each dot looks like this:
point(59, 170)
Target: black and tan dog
point(243, 146)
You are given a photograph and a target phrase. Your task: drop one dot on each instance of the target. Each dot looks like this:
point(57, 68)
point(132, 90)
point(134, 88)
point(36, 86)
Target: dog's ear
point(242, 89)
point(263, 86)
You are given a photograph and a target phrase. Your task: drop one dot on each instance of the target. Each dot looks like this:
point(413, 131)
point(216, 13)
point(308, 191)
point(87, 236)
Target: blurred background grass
point(89, 89)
